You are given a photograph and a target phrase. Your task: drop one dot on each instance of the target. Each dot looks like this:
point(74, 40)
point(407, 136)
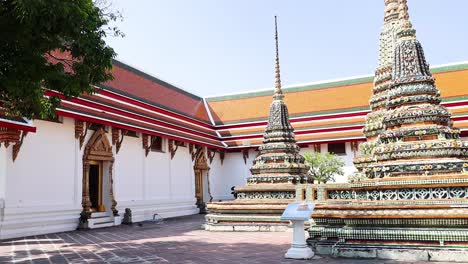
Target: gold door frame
point(200, 167)
point(98, 149)
point(199, 187)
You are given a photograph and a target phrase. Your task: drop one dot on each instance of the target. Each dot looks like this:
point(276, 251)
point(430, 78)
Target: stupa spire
point(278, 92)
point(279, 160)
point(403, 15)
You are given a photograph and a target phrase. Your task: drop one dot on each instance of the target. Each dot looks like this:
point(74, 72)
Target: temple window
point(337, 148)
point(180, 143)
point(156, 144)
point(130, 133)
point(96, 127)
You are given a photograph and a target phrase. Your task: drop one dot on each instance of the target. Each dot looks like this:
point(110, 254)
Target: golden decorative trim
point(81, 130)
point(194, 149)
point(245, 155)
point(221, 156)
point(173, 146)
point(17, 146)
point(97, 149)
point(116, 133)
point(211, 154)
point(317, 148)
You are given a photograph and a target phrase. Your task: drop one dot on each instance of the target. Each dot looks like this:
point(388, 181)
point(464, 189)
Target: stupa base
point(247, 227)
point(246, 216)
point(392, 252)
point(258, 208)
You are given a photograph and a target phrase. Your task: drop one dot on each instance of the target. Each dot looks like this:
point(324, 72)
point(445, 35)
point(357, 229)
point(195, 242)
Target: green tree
point(324, 166)
point(52, 44)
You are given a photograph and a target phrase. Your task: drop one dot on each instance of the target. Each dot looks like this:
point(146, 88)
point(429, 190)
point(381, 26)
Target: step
point(100, 225)
point(99, 214)
point(98, 220)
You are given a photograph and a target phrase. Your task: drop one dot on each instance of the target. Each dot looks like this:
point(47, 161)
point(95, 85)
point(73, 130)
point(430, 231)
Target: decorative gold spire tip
point(278, 93)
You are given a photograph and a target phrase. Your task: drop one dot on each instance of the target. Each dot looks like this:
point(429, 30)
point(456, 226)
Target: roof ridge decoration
point(418, 137)
point(279, 160)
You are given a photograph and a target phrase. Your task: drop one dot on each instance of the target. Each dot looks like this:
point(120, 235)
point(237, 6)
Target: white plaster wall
point(181, 175)
point(43, 172)
point(154, 184)
point(129, 170)
point(40, 190)
point(233, 172)
point(158, 180)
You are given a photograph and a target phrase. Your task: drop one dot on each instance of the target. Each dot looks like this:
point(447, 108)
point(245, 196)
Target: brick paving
point(178, 240)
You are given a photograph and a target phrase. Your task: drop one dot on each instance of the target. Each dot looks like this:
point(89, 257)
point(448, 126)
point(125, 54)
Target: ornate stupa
point(413, 202)
point(382, 84)
point(418, 137)
point(276, 172)
point(279, 160)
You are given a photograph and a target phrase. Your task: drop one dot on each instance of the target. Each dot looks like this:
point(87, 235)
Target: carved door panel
point(199, 187)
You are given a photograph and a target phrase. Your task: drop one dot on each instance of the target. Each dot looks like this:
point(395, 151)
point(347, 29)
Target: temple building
point(141, 146)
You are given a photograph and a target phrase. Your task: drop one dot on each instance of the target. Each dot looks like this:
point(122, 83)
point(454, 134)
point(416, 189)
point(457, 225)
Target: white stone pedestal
point(299, 248)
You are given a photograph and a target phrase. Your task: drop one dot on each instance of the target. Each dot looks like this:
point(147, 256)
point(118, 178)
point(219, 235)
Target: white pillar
point(299, 248)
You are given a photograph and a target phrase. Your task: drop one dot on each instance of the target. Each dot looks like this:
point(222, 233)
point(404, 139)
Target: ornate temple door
point(201, 168)
point(199, 187)
point(98, 162)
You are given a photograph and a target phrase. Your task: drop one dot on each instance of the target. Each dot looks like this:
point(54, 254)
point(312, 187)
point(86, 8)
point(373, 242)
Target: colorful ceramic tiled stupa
point(382, 84)
point(275, 172)
point(418, 138)
point(414, 197)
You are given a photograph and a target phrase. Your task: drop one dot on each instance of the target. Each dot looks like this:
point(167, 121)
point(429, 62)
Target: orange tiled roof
point(319, 112)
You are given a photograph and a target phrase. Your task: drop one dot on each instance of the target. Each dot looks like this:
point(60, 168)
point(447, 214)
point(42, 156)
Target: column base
point(299, 253)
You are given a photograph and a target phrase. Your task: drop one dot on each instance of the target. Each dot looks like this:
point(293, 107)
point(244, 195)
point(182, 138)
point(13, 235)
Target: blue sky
point(214, 47)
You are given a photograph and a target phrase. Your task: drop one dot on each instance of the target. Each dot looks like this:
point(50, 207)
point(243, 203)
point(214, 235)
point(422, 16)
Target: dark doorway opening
point(95, 186)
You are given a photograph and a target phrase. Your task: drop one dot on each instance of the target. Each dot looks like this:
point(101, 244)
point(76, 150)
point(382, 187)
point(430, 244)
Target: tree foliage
point(51, 44)
point(324, 166)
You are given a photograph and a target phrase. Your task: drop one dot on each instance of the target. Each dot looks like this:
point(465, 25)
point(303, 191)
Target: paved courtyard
point(178, 240)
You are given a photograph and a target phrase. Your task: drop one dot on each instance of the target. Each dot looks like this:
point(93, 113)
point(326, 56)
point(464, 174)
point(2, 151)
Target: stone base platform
point(245, 223)
point(392, 252)
point(254, 227)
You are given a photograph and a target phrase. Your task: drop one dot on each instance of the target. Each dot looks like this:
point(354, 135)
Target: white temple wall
point(40, 187)
point(233, 172)
point(154, 184)
point(129, 170)
point(182, 175)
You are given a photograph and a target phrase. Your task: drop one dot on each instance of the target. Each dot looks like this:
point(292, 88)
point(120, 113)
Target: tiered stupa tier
point(418, 137)
point(382, 84)
point(276, 172)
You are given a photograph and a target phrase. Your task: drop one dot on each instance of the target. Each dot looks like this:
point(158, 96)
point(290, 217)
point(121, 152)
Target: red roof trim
point(153, 108)
point(134, 116)
point(303, 132)
point(296, 120)
point(149, 132)
point(17, 126)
